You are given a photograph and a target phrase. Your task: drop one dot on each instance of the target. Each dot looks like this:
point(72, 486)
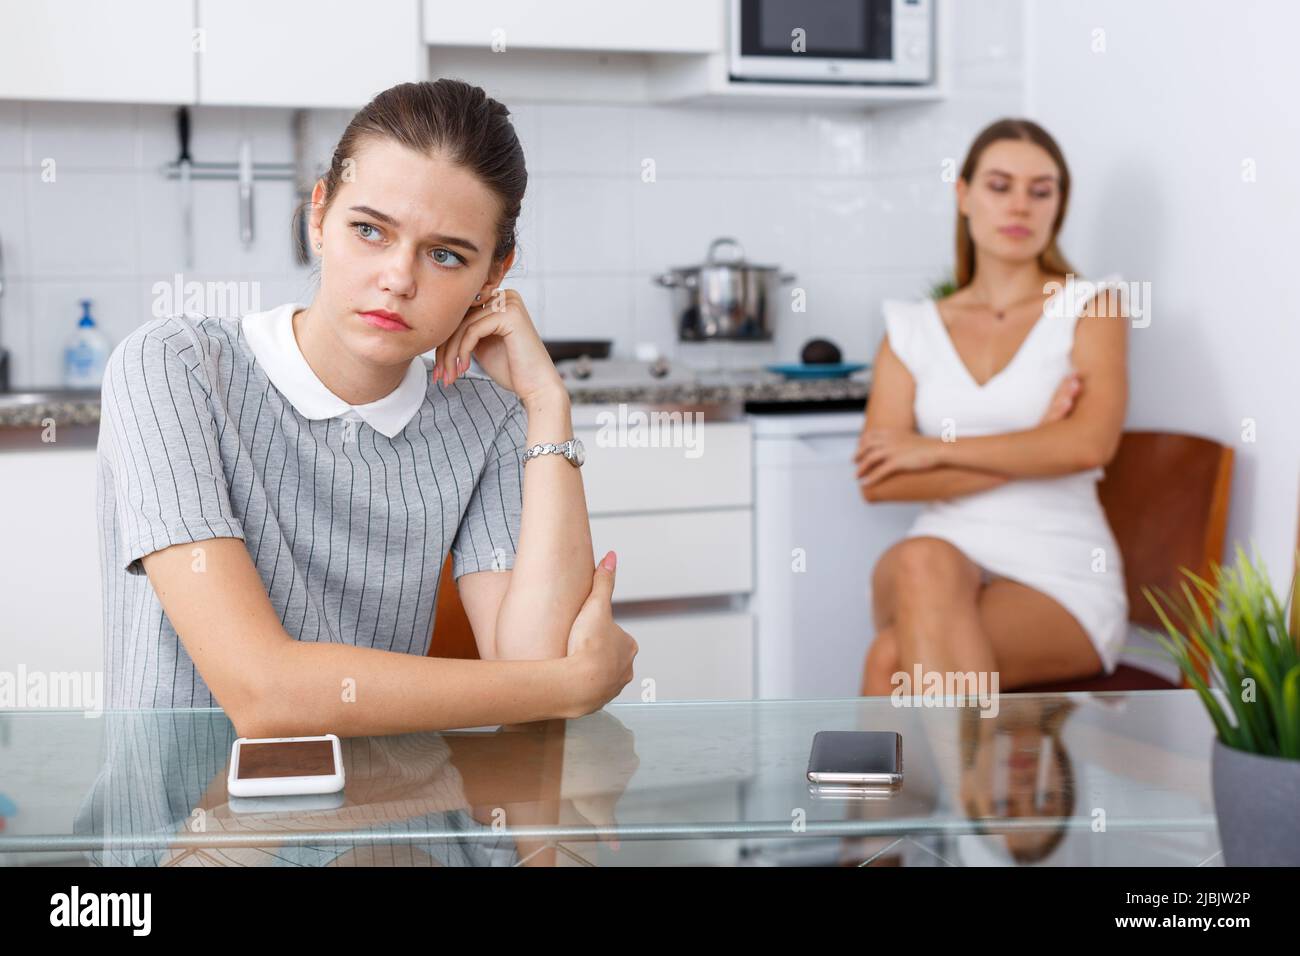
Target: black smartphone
point(863, 757)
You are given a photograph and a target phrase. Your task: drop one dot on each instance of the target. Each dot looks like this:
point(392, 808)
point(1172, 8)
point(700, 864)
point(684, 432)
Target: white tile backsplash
point(583, 139)
point(82, 222)
point(922, 138)
point(17, 326)
point(588, 307)
point(586, 224)
point(83, 135)
point(13, 134)
point(13, 223)
point(853, 203)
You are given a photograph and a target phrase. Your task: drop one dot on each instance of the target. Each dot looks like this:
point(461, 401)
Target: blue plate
point(840, 370)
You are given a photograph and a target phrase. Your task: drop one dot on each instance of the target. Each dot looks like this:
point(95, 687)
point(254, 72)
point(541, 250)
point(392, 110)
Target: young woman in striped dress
point(278, 491)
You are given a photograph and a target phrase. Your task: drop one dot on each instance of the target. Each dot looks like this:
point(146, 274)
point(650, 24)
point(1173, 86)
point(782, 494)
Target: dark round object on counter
point(820, 352)
point(561, 349)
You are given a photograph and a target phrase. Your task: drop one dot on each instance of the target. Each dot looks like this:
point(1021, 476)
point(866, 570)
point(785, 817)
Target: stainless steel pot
point(724, 299)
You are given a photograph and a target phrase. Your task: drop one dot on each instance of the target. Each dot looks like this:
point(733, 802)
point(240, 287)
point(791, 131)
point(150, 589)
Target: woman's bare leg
point(1034, 638)
point(925, 602)
point(881, 664)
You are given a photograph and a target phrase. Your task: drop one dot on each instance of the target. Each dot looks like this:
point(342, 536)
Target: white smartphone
point(280, 766)
point(287, 803)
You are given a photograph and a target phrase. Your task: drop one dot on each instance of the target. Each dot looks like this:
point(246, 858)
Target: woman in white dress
point(999, 405)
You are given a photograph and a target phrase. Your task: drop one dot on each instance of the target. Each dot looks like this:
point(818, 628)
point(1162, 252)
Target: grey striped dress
point(348, 528)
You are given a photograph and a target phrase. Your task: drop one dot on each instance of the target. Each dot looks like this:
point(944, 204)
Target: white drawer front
point(703, 656)
point(678, 554)
point(620, 477)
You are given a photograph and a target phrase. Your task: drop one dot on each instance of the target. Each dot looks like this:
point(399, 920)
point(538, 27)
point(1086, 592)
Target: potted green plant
point(942, 288)
point(1239, 628)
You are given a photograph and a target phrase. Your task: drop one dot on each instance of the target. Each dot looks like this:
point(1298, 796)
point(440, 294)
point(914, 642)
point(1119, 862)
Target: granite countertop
point(81, 406)
point(726, 387)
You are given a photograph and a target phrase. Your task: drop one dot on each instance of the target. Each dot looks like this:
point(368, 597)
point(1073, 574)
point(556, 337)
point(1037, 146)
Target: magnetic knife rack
point(263, 171)
point(246, 173)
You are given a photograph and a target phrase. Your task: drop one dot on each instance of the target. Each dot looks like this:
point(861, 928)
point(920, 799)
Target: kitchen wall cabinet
point(629, 26)
point(133, 51)
point(292, 53)
point(306, 53)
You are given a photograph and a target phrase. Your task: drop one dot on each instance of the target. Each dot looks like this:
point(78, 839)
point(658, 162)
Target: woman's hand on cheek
point(501, 336)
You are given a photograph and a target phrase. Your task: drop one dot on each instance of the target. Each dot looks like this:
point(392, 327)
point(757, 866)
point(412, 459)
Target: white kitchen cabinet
point(708, 655)
point(136, 51)
point(49, 566)
point(677, 554)
point(621, 477)
point(629, 26)
point(682, 522)
point(306, 53)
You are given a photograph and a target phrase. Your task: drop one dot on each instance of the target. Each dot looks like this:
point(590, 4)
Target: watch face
point(579, 451)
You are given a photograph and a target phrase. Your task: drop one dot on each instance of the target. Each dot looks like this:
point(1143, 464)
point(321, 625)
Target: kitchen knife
point(304, 183)
point(246, 192)
point(187, 188)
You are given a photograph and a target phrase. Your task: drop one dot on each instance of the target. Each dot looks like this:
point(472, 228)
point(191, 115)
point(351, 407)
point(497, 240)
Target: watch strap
point(548, 448)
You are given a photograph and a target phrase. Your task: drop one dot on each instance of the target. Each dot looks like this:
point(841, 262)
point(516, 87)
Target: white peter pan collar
point(270, 336)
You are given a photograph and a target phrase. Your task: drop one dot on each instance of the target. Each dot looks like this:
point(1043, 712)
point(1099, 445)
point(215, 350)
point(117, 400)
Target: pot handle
point(716, 244)
point(667, 280)
point(785, 277)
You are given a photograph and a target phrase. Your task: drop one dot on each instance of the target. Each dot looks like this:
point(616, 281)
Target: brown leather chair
point(520, 767)
point(1166, 498)
point(452, 635)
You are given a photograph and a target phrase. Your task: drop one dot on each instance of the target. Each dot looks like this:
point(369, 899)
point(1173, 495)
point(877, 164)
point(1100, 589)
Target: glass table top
point(1060, 779)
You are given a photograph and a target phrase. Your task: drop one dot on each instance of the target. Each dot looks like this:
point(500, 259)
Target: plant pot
point(1257, 804)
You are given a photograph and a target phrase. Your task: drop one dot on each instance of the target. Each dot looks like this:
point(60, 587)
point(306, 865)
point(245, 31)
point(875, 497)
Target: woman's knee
point(928, 567)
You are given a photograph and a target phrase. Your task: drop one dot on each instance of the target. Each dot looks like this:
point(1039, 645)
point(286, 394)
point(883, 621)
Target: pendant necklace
point(1001, 313)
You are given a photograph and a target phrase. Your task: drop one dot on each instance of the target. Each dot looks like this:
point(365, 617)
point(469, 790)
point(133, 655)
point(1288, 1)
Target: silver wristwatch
point(572, 449)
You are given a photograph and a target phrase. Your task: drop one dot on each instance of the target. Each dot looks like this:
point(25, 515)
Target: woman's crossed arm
point(1080, 430)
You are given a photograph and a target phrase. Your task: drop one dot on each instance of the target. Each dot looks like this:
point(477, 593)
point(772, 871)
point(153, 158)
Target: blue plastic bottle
point(85, 354)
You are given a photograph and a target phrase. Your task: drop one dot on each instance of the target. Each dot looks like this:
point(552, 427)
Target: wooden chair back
point(1166, 498)
point(452, 635)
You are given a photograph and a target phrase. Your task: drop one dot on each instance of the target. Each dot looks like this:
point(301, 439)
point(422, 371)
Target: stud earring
point(479, 296)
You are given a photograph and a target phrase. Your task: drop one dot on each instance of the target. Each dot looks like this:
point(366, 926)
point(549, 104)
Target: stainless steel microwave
point(832, 41)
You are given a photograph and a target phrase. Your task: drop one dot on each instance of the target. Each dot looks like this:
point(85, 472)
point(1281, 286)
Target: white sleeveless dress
point(1048, 533)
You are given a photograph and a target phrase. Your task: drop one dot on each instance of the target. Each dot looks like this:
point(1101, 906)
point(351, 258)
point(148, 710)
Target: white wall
point(1156, 130)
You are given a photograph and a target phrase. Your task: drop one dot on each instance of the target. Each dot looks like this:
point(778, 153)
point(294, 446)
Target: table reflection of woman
point(1035, 778)
point(1014, 767)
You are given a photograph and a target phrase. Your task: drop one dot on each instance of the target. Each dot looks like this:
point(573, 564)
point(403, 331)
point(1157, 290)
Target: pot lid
point(732, 259)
